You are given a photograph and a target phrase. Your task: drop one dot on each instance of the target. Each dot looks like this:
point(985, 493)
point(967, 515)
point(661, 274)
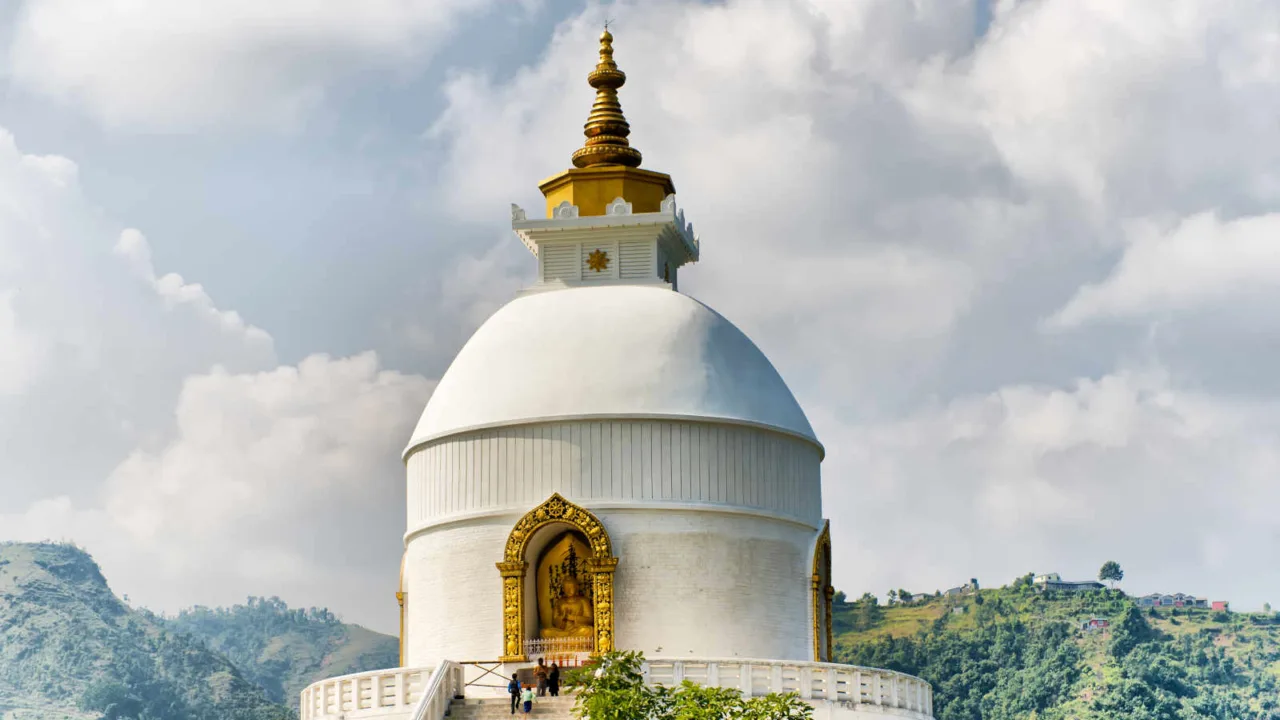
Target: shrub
point(613, 688)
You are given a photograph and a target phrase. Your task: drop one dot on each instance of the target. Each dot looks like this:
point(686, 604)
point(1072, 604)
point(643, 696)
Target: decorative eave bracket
point(669, 220)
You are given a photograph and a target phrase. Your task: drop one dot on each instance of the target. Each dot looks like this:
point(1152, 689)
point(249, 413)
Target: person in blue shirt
point(513, 688)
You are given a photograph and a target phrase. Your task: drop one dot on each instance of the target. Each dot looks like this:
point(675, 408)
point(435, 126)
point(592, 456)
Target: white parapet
point(390, 694)
point(837, 692)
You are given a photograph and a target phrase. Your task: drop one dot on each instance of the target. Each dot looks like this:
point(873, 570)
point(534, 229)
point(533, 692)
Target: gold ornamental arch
point(514, 568)
point(823, 593)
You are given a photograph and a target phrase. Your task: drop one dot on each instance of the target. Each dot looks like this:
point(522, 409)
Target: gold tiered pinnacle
point(606, 127)
point(606, 167)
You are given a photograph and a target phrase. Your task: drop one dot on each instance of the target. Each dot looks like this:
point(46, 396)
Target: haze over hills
point(283, 650)
point(70, 649)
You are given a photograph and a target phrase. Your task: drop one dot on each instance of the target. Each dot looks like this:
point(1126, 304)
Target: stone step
point(544, 708)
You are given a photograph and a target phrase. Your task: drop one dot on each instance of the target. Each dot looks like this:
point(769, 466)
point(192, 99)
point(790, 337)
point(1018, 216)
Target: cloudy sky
point(1020, 262)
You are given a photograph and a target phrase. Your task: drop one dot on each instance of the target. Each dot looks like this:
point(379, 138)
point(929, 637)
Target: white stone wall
point(711, 584)
point(706, 583)
point(453, 609)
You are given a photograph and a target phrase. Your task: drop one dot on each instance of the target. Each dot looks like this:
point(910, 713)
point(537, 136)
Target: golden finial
point(606, 128)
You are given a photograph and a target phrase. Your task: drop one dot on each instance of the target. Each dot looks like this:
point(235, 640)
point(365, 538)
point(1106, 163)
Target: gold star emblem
point(598, 260)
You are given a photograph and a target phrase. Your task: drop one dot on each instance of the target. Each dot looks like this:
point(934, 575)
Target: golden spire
point(606, 128)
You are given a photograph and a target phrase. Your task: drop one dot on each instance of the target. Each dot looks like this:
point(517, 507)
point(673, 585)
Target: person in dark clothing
point(513, 688)
point(553, 680)
point(540, 672)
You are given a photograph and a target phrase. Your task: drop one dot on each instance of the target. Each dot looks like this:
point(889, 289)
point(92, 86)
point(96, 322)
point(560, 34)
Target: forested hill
point(1015, 653)
point(70, 649)
point(282, 649)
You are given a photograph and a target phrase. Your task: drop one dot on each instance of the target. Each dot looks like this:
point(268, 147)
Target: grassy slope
point(62, 631)
point(1250, 642)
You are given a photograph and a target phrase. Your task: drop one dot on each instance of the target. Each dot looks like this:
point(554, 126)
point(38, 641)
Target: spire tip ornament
point(606, 127)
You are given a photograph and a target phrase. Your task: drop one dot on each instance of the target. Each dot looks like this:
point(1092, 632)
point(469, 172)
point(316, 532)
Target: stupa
point(610, 464)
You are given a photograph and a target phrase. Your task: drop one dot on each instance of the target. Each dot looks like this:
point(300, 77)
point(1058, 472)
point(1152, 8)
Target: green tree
point(1131, 631)
point(613, 688)
point(868, 612)
point(1111, 571)
point(112, 699)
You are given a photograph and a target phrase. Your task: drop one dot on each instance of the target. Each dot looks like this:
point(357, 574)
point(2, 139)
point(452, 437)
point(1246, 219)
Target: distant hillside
point(70, 649)
point(283, 650)
point(1015, 654)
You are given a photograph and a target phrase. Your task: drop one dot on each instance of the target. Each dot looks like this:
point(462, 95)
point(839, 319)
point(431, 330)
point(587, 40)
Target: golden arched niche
point(823, 593)
point(577, 529)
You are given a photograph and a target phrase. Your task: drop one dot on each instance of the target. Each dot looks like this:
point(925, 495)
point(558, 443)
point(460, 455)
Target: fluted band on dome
point(606, 128)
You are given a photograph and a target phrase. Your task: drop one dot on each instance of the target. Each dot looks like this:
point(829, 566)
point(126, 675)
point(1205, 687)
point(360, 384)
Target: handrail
point(445, 683)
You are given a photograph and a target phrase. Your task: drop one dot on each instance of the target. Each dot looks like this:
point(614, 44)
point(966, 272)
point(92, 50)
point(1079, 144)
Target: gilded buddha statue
point(573, 615)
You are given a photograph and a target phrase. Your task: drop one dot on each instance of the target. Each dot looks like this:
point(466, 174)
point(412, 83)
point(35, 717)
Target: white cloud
point(19, 351)
point(181, 62)
point(1202, 261)
point(1124, 467)
point(107, 336)
point(287, 481)
point(158, 431)
point(175, 291)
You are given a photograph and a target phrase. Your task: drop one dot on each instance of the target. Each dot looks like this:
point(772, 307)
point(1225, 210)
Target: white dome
point(618, 351)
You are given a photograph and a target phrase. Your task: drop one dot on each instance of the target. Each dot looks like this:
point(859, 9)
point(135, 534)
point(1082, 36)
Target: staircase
point(544, 708)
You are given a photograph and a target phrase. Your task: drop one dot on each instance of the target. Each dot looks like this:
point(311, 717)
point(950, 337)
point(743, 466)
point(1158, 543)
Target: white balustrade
point(379, 693)
point(845, 685)
point(565, 652)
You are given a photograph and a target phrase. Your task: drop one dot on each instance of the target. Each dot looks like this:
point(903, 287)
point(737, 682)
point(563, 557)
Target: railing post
point(775, 678)
point(875, 689)
point(856, 690)
point(713, 674)
point(893, 692)
point(401, 690)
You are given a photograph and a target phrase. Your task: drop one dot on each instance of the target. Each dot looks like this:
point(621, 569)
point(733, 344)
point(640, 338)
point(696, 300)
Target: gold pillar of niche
point(400, 598)
point(822, 593)
point(573, 579)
